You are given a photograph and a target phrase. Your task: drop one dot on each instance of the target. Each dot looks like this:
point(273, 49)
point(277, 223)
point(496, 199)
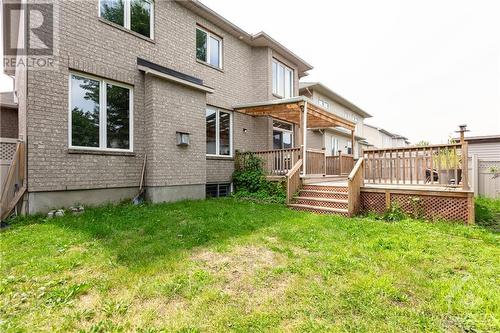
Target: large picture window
point(282, 80)
point(100, 114)
point(136, 15)
point(219, 132)
point(208, 48)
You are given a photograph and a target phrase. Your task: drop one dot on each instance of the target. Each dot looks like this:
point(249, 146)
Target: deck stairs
point(326, 197)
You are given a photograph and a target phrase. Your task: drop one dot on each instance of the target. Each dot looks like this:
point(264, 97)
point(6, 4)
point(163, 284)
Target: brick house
point(142, 78)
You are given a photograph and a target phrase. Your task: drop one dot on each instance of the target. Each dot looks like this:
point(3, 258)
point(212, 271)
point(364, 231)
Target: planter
point(447, 177)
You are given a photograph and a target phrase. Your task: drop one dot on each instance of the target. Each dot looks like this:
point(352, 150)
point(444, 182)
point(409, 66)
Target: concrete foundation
point(42, 202)
point(175, 193)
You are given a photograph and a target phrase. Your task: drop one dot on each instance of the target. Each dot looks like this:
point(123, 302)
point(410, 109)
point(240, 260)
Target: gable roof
point(320, 87)
point(260, 39)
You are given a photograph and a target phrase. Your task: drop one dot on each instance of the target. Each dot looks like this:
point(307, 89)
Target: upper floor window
point(219, 132)
point(324, 104)
point(282, 80)
point(136, 15)
point(100, 114)
point(208, 48)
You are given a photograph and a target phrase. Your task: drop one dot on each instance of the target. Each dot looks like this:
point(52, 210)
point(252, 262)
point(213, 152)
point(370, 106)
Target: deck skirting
point(421, 203)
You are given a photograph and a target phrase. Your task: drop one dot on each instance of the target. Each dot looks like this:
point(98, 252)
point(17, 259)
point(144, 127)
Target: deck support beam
point(304, 138)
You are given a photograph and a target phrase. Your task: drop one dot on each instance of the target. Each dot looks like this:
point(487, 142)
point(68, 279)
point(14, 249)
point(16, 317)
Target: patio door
point(282, 139)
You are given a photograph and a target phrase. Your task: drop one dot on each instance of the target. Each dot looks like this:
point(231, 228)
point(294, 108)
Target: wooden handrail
point(269, 151)
point(295, 168)
point(354, 170)
point(354, 182)
point(293, 181)
point(444, 145)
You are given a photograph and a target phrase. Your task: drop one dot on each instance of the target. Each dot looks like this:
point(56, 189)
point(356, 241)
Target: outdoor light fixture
point(245, 130)
point(182, 139)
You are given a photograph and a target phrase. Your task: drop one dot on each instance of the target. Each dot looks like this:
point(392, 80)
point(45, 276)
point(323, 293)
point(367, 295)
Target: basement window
point(218, 190)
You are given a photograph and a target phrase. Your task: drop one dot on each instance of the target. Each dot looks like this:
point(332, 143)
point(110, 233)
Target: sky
point(420, 68)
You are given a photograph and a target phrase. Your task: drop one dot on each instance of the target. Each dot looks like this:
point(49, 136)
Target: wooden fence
point(14, 185)
point(437, 165)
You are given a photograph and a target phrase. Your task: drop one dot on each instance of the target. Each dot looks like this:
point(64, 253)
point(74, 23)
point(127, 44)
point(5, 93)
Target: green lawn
point(226, 265)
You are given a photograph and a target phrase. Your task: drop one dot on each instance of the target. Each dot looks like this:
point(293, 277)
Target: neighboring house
point(335, 139)
point(8, 116)
point(381, 138)
point(160, 79)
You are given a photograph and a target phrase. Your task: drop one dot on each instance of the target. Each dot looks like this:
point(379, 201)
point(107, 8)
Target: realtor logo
point(28, 29)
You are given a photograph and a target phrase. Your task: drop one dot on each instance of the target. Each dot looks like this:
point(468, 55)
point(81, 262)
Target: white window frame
point(276, 79)
point(217, 132)
point(103, 138)
point(214, 36)
point(127, 17)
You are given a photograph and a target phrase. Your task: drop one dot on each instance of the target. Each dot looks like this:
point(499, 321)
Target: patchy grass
point(227, 265)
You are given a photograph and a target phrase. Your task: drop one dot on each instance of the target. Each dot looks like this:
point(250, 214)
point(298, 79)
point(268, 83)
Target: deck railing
point(276, 162)
point(436, 165)
point(316, 163)
point(279, 162)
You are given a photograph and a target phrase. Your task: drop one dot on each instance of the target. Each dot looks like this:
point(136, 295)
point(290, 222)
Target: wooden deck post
point(324, 161)
point(340, 162)
point(352, 142)
point(304, 138)
point(465, 159)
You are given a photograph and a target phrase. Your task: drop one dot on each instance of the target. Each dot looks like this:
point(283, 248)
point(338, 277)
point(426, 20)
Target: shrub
point(393, 214)
point(250, 181)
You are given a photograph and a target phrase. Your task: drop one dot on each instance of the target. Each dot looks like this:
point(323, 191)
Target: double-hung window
point(282, 80)
point(219, 132)
point(136, 15)
point(208, 48)
point(100, 114)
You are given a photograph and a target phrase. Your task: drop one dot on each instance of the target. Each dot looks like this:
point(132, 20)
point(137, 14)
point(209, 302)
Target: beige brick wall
point(173, 108)
point(89, 45)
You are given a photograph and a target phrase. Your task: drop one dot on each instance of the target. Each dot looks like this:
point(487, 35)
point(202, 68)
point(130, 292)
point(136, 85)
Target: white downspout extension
point(304, 161)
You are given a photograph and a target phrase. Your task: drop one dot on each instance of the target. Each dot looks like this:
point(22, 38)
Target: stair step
point(322, 199)
point(321, 210)
point(324, 192)
point(327, 188)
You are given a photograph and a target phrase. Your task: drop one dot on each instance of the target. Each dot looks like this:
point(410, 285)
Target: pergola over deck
point(300, 111)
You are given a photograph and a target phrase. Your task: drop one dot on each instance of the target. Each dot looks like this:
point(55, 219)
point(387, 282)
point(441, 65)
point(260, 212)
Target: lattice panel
point(373, 202)
point(326, 195)
point(7, 150)
point(325, 188)
point(327, 204)
point(432, 207)
point(429, 207)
